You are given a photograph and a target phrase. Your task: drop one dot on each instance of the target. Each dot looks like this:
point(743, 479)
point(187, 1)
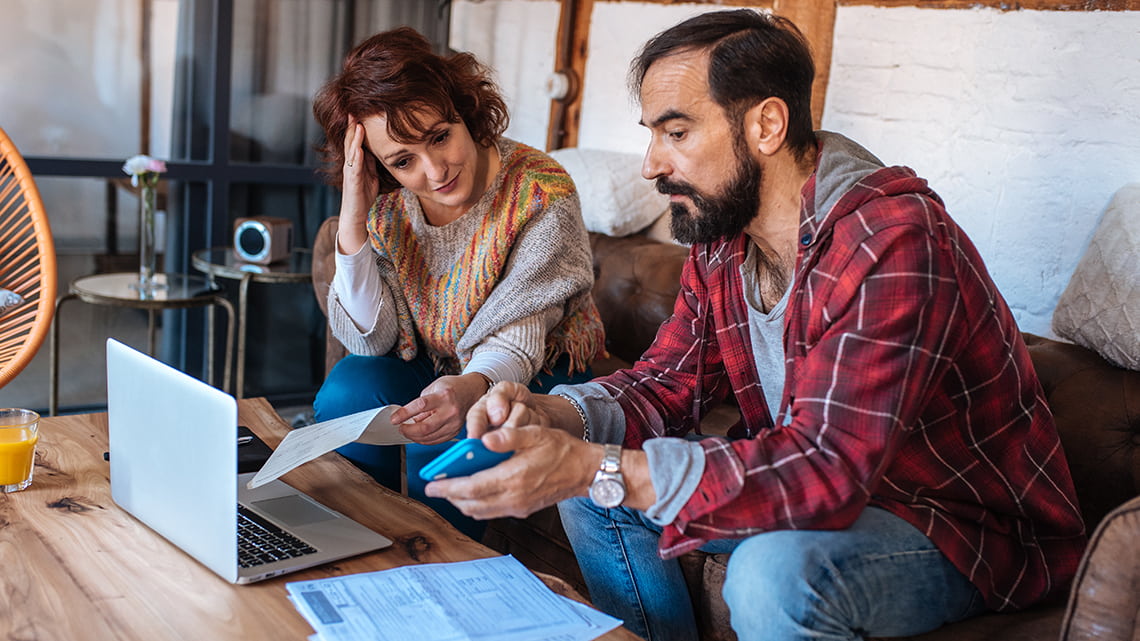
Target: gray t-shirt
point(676, 464)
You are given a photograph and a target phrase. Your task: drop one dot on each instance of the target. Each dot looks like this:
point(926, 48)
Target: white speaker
point(262, 239)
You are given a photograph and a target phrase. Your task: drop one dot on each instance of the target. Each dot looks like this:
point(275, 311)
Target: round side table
point(175, 291)
point(221, 262)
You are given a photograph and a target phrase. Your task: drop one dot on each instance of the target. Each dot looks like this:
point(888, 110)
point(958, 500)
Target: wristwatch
point(608, 488)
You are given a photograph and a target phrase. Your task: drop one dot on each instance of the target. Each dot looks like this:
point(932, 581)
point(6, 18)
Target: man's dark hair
point(752, 56)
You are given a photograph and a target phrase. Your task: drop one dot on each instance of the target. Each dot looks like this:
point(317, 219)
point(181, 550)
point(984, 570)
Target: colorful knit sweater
point(520, 250)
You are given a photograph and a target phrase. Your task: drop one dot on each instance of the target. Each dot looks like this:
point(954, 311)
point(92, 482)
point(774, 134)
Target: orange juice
point(17, 452)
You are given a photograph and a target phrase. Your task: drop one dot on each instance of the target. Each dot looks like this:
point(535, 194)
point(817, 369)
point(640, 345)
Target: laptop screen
point(173, 455)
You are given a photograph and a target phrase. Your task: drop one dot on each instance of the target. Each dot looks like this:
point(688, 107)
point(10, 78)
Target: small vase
point(148, 257)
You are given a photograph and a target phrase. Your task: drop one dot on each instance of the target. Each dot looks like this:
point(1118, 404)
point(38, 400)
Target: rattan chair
point(27, 263)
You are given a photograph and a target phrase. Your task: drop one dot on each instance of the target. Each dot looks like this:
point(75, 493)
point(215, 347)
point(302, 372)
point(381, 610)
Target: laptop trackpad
point(293, 511)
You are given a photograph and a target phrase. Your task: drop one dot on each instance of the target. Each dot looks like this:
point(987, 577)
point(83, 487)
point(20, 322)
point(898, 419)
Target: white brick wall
point(1024, 122)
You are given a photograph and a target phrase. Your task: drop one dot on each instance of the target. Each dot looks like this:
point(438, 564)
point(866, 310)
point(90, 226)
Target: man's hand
point(437, 414)
point(551, 462)
point(548, 466)
point(506, 404)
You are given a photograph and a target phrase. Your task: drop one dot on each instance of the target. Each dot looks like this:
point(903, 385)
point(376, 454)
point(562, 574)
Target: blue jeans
point(359, 383)
point(880, 577)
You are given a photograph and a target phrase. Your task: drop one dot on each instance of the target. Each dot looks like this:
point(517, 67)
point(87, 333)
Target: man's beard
point(718, 215)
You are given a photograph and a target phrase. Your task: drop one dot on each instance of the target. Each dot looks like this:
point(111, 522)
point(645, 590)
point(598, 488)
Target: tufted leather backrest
point(636, 280)
point(1097, 409)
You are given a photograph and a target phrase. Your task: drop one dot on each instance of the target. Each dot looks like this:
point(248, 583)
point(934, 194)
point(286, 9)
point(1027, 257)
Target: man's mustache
point(675, 189)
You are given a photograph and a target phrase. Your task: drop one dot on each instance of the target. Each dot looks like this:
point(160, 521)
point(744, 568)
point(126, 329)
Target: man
point(895, 468)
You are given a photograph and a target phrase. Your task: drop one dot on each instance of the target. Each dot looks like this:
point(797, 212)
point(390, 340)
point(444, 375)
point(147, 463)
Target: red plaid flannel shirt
point(908, 388)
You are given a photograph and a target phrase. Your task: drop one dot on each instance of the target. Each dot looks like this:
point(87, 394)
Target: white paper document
point(372, 427)
point(486, 599)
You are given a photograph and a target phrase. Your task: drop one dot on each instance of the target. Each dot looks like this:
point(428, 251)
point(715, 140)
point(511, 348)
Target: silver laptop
point(173, 442)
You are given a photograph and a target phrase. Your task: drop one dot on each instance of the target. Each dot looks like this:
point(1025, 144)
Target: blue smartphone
point(462, 459)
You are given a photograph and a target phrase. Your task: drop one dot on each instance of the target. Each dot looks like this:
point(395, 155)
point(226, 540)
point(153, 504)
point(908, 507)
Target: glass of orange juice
point(19, 432)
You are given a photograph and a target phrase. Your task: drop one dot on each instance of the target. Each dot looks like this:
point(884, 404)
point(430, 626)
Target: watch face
point(607, 492)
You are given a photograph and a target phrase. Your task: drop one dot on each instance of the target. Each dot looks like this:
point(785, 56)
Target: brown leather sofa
point(1097, 408)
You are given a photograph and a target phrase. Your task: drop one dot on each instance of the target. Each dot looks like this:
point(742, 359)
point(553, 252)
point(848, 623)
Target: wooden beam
point(816, 19)
point(570, 61)
point(1006, 5)
point(570, 58)
point(725, 3)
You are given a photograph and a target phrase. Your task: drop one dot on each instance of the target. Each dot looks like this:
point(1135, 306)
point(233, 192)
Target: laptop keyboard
point(260, 541)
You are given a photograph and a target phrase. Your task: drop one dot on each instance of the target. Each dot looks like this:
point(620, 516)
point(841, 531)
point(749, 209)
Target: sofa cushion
point(1100, 308)
point(1034, 624)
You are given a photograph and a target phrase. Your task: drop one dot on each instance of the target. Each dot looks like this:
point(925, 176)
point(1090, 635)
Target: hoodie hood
point(846, 177)
point(842, 163)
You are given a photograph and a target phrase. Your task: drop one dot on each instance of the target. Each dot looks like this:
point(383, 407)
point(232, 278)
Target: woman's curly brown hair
point(395, 74)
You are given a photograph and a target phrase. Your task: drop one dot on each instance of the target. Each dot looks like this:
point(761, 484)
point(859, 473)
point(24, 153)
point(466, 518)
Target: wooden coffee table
point(73, 565)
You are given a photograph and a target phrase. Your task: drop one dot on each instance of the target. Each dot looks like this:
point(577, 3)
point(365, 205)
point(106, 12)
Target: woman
point(462, 259)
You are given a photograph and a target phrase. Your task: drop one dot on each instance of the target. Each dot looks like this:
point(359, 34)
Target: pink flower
point(145, 167)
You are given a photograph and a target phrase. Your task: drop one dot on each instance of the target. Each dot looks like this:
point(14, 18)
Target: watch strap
point(611, 459)
point(608, 487)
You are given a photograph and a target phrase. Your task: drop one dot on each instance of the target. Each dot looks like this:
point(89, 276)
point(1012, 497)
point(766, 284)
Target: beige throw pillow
point(616, 200)
point(1100, 308)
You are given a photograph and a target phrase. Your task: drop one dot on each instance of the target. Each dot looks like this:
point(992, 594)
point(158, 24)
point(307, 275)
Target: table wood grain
point(74, 566)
